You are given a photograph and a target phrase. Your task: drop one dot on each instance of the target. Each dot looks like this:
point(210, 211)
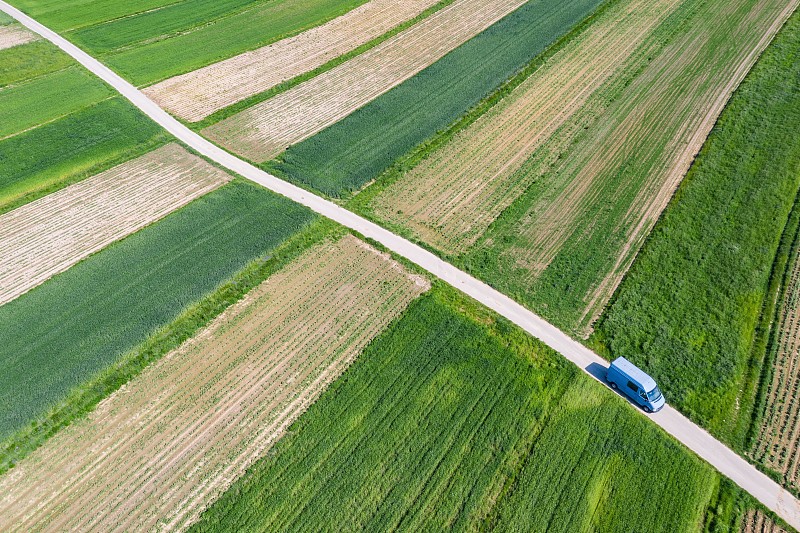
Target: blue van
point(641, 388)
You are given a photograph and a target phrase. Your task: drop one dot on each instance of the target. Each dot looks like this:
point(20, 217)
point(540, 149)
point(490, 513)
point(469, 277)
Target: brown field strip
point(154, 454)
point(195, 95)
point(14, 35)
point(264, 130)
point(452, 197)
point(47, 236)
point(757, 522)
point(778, 443)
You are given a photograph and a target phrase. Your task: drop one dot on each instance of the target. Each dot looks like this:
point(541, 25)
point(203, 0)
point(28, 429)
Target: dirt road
point(695, 438)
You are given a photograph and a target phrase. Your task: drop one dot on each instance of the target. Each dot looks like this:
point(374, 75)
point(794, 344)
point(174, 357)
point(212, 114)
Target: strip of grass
point(31, 60)
point(689, 307)
point(152, 25)
point(5, 20)
point(42, 99)
point(70, 149)
point(250, 29)
point(354, 151)
point(78, 323)
point(61, 15)
point(453, 419)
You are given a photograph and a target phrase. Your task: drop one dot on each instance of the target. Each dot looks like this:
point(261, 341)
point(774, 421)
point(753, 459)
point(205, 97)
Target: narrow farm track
point(14, 35)
point(264, 130)
point(197, 94)
point(778, 445)
point(45, 237)
point(154, 454)
point(453, 195)
point(692, 436)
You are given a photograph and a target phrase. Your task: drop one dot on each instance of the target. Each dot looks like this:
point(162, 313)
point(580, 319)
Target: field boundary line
point(725, 460)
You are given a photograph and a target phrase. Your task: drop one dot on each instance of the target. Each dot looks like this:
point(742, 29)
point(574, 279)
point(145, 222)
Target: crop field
point(266, 129)
point(154, 46)
point(114, 300)
point(357, 149)
point(603, 178)
point(195, 95)
point(449, 420)
point(60, 15)
point(158, 451)
point(758, 522)
point(49, 235)
point(690, 307)
point(451, 197)
point(25, 62)
point(15, 35)
point(777, 445)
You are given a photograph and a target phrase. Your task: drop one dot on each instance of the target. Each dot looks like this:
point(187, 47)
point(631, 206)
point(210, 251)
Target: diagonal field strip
point(49, 235)
point(767, 491)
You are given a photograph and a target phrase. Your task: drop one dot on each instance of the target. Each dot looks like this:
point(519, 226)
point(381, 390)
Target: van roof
point(635, 373)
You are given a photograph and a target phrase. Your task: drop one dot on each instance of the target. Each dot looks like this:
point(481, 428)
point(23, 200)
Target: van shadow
point(598, 371)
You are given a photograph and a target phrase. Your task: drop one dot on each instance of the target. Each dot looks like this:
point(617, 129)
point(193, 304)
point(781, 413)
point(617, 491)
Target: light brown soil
point(778, 443)
point(15, 35)
point(195, 95)
point(263, 131)
point(157, 452)
point(756, 522)
point(450, 198)
point(47, 236)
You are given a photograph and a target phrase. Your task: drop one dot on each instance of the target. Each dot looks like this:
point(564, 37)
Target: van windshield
point(654, 394)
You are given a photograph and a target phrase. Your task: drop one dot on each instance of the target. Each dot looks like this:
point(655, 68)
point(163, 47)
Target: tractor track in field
point(730, 464)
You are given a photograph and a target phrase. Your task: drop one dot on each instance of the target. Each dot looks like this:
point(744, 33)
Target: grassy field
point(347, 155)
point(29, 61)
point(60, 15)
point(112, 301)
point(451, 419)
point(690, 308)
point(72, 148)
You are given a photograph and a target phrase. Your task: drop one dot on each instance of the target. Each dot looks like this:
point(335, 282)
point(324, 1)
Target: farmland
point(690, 308)
point(197, 94)
point(452, 196)
point(14, 35)
point(48, 236)
point(758, 522)
point(355, 150)
point(264, 130)
point(450, 420)
point(225, 397)
point(24, 62)
point(114, 300)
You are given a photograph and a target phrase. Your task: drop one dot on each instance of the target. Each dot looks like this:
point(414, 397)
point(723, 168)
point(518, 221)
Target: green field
point(20, 63)
point(76, 324)
point(60, 15)
point(352, 152)
point(5, 19)
point(72, 148)
point(48, 97)
point(450, 419)
point(266, 23)
point(690, 308)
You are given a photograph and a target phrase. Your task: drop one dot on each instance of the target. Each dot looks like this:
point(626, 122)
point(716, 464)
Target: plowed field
point(158, 451)
point(266, 129)
point(14, 35)
point(451, 197)
point(757, 522)
point(195, 95)
point(778, 445)
point(48, 236)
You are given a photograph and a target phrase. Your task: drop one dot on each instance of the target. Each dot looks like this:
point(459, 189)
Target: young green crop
point(350, 153)
point(689, 308)
point(73, 326)
point(20, 63)
point(60, 15)
point(450, 420)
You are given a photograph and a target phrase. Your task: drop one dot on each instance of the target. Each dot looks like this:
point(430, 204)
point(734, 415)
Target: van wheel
point(647, 409)
point(613, 385)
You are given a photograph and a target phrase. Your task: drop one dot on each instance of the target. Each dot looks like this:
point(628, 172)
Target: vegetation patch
point(29, 61)
point(454, 419)
point(689, 309)
point(60, 15)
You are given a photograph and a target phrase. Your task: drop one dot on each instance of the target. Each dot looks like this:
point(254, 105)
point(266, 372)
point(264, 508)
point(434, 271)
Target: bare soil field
point(757, 522)
point(452, 197)
point(197, 94)
point(47, 236)
point(778, 443)
point(157, 452)
point(15, 35)
point(263, 131)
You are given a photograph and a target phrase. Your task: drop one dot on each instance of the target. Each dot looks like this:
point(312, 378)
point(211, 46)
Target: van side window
point(633, 386)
